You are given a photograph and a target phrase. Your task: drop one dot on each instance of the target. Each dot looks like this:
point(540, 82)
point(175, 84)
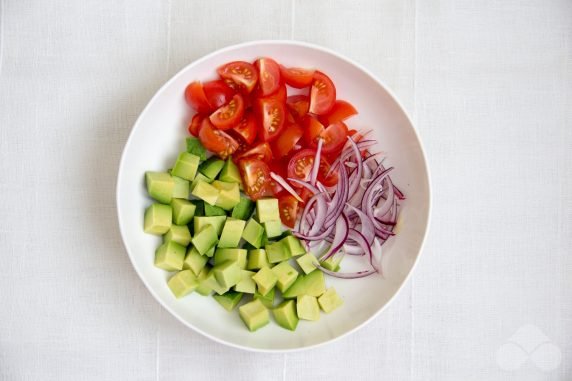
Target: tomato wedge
point(298, 104)
point(272, 114)
point(216, 141)
point(259, 152)
point(229, 115)
point(288, 207)
point(246, 129)
point(218, 93)
point(335, 136)
point(297, 77)
point(287, 140)
point(256, 178)
point(341, 111)
point(195, 124)
point(301, 164)
point(322, 94)
point(196, 98)
point(323, 177)
point(242, 73)
point(269, 76)
point(312, 131)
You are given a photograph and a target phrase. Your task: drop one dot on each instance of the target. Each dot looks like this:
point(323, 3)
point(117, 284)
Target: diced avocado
point(276, 253)
point(229, 300)
point(229, 194)
point(243, 210)
point(194, 261)
point(211, 167)
point(181, 189)
point(211, 210)
point(254, 314)
point(268, 299)
point(231, 233)
point(285, 315)
point(160, 186)
point(206, 192)
point(229, 172)
point(332, 263)
point(205, 239)
point(183, 283)
point(183, 211)
point(267, 210)
point(330, 300)
point(211, 252)
point(204, 289)
point(158, 219)
point(265, 280)
point(293, 246)
point(199, 207)
point(198, 178)
point(216, 222)
point(246, 284)
point(273, 229)
point(257, 259)
point(170, 256)
point(253, 233)
point(186, 166)
point(227, 273)
point(211, 282)
point(286, 275)
point(179, 234)
point(236, 255)
point(307, 307)
point(307, 263)
point(195, 147)
point(312, 284)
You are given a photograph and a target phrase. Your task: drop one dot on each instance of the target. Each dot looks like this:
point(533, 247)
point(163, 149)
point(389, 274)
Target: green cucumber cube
point(267, 210)
point(195, 147)
point(211, 167)
point(286, 275)
point(235, 255)
point(285, 315)
point(205, 239)
point(206, 192)
point(183, 211)
point(158, 219)
point(276, 252)
point(170, 256)
point(160, 186)
point(253, 232)
point(254, 314)
point(181, 189)
point(307, 307)
point(179, 234)
point(231, 233)
point(194, 261)
point(246, 284)
point(330, 300)
point(257, 259)
point(186, 166)
point(293, 246)
point(229, 300)
point(265, 280)
point(243, 210)
point(182, 283)
point(307, 263)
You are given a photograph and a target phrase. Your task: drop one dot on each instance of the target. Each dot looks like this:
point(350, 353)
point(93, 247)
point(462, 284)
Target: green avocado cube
point(273, 229)
point(170, 256)
point(293, 246)
point(265, 280)
point(179, 234)
point(231, 233)
point(229, 172)
point(307, 263)
point(183, 211)
point(267, 210)
point(332, 263)
point(330, 300)
point(229, 194)
point(205, 239)
point(236, 255)
point(285, 315)
point(206, 192)
point(254, 314)
point(268, 299)
point(286, 275)
point(227, 273)
point(257, 259)
point(160, 186)
point(211, 210)
point(211, 167)
point(199, 207)
point(243, 210)
point(211, 282)
point(276, 252)
point(307, 307)
point(158, 219)
point(246, 284)
point(216, 222)
point(253, 232)
point(194, 261)
point(182, 283)
point(199, 178)
point(186, 166)
point(312, 284)
point(195, 147)
point(181, 189)
point(229, 300)
point(204, 289)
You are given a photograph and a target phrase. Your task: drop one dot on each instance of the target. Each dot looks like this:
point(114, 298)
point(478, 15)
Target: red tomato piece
point(288, 207)
point(335, 136)
point(312, 131)
point(300, 165)
point(323, 177)
point(229, 115)
point(242, 73)
point(260, 152)
point(195, 124)
point(322, 94)
point(287, 140)
point(341, 111)
point(196, 98)
point(256, 178)
point(269, 76)
point(246, 129)
point(216, 141)
point(297, 77)
point(298, 104)
point(218, 93)
point(272, 116)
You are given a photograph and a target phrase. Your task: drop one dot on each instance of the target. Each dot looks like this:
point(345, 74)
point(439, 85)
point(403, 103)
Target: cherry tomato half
point(195, 124)
point(216, 141)
point(218, 93)
point(272, 115)
point(322, 94)
point(246, 129)
point(312, 131)
point(256, 178)
point(229, 115)
point(286, 141)
point(301, 164)
point(269, 76)
point(298, 104)
point(335, 136)
point(297, 77)
point(260, 152)
point(288, 207)
point(196, 98)
point(242, 73)
point(341, 111)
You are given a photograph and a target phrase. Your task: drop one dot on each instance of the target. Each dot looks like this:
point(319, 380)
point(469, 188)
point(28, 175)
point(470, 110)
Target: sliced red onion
point(307, 209)
point(318, 237)
point(316, 165)
point(280, 180)
point(342, 229)
point(357, 178)
point(367, 227)
point(305, 184)
point(362, 242)
point(336, 207)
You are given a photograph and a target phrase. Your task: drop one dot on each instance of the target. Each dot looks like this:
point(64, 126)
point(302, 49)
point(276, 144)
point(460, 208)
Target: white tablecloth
point(490, 86)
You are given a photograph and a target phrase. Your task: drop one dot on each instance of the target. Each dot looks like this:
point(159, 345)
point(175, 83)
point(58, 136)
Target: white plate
point(158, 136)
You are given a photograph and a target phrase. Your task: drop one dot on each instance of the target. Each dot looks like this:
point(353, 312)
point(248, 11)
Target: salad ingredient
point(243, 74)
point(160, 186)
point(269, 75)
point(157, 219)
point(195, 147)
point(229, 300)
point(341, 110)
point(307, 307)
point(286, 275)
point(218, 93)
point(196, 97)
point(243, 209)
point(330, 300)
point(194, 261)
point(288, 208)
point(206, 192)
point(170, 256)
point(322, 94)
point(246, 284)
point(205, 239)
point(183, 211)
point(183, 283)
point(234, 255)
point(255, 176)
point(253, 233)
point(179, 234)
point(229, 115)
point(272, 113)
point(265, 280)
point(228, 194)
point(231, 234)
point(285, 315)
point(297, 77)
point(211, 168)
point(216, 141)
point(257, 259)
point(254, 314)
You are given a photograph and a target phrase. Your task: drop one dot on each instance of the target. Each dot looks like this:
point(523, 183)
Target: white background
point(489, 84)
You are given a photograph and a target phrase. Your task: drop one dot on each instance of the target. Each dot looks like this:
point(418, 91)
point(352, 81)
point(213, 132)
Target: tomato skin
point(195, 124)
point(300, 165)
point(261, 151)
point(256, 178)
point(297, 77)
point(218, 93)
point(335, 137)
point(323, 177)
point(312, 131)
point(322, 94)
point(288, 208)
point(272, 116)
point(341, 111)
point(277, 166)
point(244, 74)
point(269, 76)
point(298, 105)
point(247, 128)
point(196, 98)
point(287, 140)
point(229, 115)
point(216, 141)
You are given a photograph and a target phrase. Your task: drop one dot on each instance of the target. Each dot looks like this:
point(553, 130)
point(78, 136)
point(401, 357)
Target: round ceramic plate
point(158, 137)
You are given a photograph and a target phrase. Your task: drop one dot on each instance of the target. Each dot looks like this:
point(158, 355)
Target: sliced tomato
point(300, 165)
point(335, 136)
point(278, 167)
point(242, 73)
point(195, 124)
point(288, 207)
point(261, 151)
point(323, 177)
point(322, 94)
point(341, 111)
point(256, 178)
point(272, 115)
point(269, 76)
point(297, 77)
point(246, 129)
point(216, 141)
point(305, 195)
point(312, 131)
point(298, 104)
point(287, 140)
point(218, 93)
point(280, 95)
point(196, 98)
point(229, 115)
